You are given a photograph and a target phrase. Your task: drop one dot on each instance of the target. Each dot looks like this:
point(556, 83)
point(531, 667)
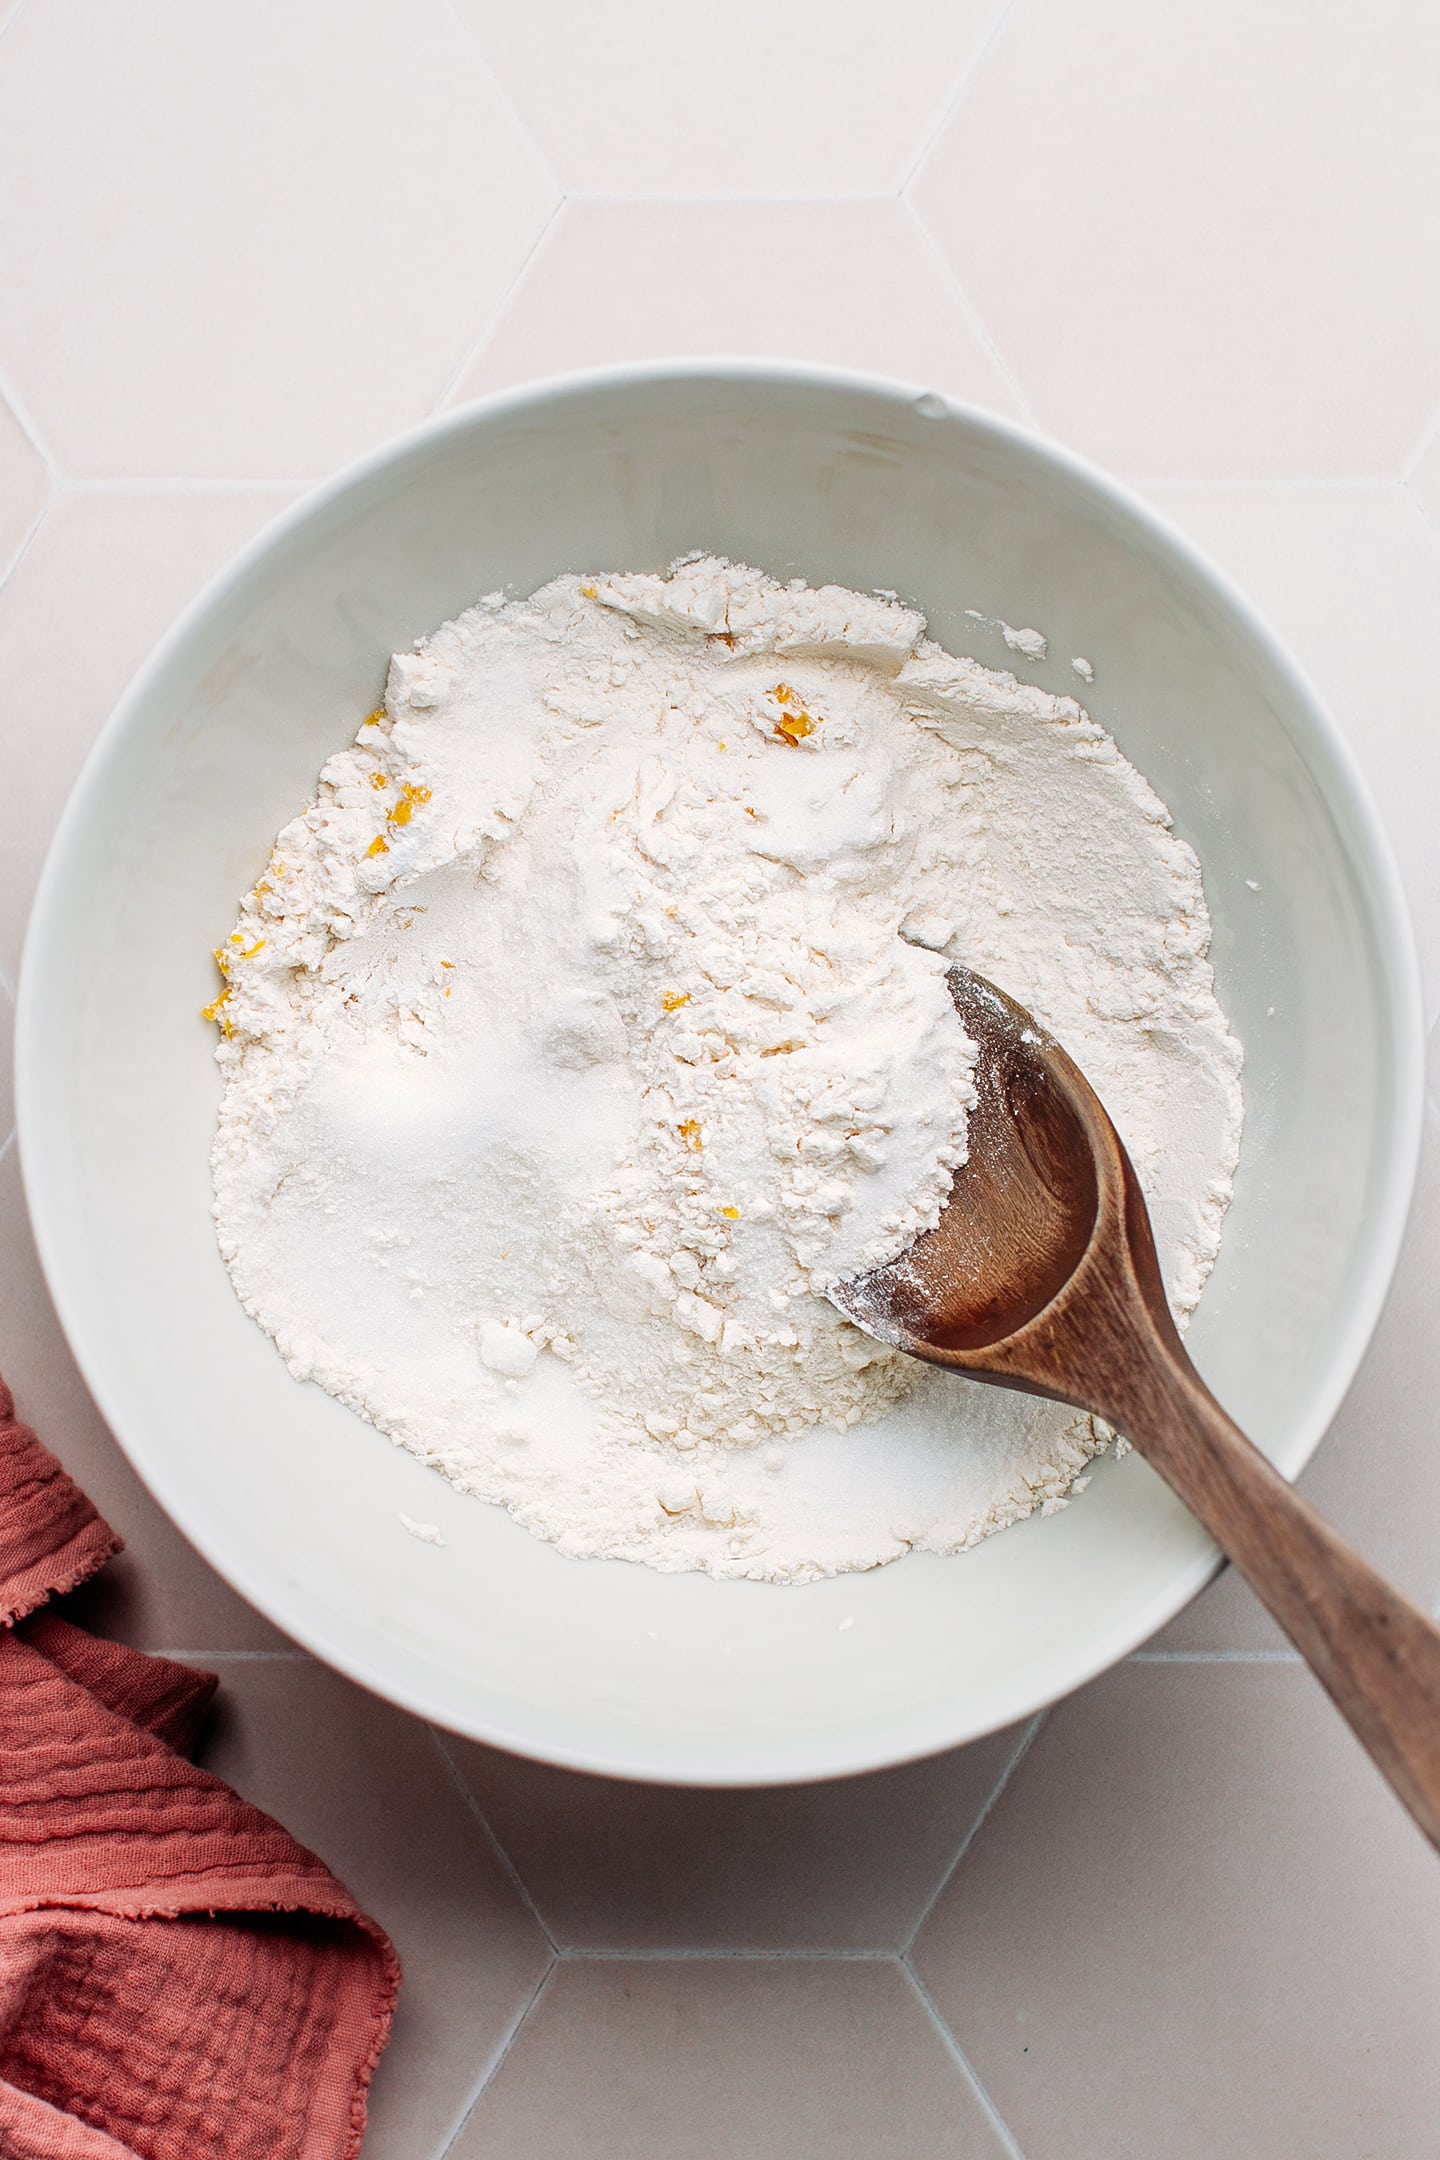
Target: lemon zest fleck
point(213, 1012)
point(674, 999)
point(732, 1214)
point(405, 808)
point(379, 845)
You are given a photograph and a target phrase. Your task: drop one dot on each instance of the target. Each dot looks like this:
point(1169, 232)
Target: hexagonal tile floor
point(1177, 1916)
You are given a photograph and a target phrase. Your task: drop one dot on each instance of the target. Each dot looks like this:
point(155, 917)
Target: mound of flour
point(592, 1021)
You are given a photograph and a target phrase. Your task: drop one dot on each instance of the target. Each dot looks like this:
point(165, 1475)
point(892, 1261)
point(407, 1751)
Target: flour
point(1032, 644)
point(592, 1022)
point(427, 1532)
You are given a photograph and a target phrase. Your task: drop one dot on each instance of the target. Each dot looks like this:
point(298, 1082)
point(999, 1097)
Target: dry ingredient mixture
point(592, 1021)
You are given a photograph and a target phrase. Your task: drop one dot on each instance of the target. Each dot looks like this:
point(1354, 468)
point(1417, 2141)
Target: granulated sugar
point(592, 1021)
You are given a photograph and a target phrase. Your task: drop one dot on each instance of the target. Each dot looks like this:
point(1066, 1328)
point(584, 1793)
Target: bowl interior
point(599, 1664)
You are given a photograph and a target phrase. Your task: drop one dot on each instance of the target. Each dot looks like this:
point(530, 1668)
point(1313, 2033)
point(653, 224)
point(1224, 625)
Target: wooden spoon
point(1041, 1274)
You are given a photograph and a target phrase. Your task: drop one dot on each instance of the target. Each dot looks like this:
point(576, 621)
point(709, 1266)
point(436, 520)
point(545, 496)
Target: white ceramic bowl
point(598, 1664)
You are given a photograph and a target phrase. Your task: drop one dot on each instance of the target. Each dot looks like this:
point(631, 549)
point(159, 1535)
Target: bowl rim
point(1367, 844)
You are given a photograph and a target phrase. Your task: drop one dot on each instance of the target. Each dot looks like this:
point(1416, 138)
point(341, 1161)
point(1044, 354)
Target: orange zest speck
point(793, 727)
point(447, 963)
point(379, 845)
point(378, 780)
point(674, 999)
point(689, 1132)
point(409, 796)
point(782, 693)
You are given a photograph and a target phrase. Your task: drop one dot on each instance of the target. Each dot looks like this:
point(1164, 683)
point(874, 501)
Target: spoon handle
point(1376, 1654)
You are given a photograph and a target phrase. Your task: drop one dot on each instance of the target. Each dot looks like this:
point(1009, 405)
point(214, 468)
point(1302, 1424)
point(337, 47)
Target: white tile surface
point(627, 281)
point(807, 98)
point(1425, 481)
point(1195, 230)
point(7, 1075)
point(846, 1866)
point(1197, 1926)
point(777, 2060)
point(24, 485)
point(240, 245)
point(253, 243)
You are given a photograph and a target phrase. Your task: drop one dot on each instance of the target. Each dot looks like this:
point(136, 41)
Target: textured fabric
point(179, 1980)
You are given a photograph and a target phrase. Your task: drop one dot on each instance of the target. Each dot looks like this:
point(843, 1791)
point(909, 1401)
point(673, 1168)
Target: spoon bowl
point(1031, 1199)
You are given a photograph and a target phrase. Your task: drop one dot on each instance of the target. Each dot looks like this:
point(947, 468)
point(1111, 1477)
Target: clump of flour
point(592, 1022)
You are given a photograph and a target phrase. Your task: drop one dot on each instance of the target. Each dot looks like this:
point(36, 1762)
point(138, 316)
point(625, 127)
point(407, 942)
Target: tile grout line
point(1428, 434)
point(1428, 527)
point(996, 2120)
point(24, 418)
point(469, 36)
point(1257, 484)
point(1016, 1757)
point(512, 1873)
point(172, 484)
point(947, 110)
point(32, 535)
point(719, 1953)
point(496, 2062)
point(52, 489)
point(1214, 1657)
point(724, 198)
point(491, 323)
point(979, 330)
point(233, 1657)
